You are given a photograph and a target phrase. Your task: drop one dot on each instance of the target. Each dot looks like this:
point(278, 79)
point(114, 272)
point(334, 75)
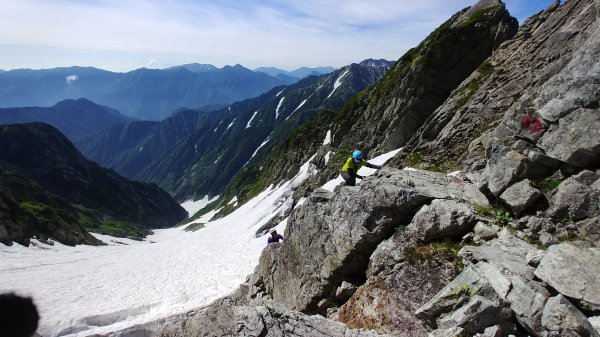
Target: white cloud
point(150, 63)
point(72, 78)
point(121, 35)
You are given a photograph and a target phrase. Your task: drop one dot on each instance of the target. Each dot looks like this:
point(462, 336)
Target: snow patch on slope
point(251, 119)
point(327, 140)
point(230, 124)
point(278, 107)
point(215, 130)
point(337, 83)
point(327, 155)
point(299, 106)
point(86, 290)
point(192, 206)
point(260, 147)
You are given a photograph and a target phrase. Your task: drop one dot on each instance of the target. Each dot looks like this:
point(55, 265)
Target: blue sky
point(122, 35)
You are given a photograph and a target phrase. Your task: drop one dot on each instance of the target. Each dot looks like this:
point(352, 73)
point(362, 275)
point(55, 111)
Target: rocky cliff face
point(546, 72)
point(508, 246)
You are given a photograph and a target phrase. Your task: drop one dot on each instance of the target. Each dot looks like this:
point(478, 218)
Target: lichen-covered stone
point(574, 200)
point(576, 140)
point(561, 318)
point(507, 252)
point(484, 232)
point(504, 167)
point(521, 196)
point(441, 219)
point(571, 269)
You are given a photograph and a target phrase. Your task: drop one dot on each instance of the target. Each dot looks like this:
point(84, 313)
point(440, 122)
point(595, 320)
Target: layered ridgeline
point(74, 118)
point(50, 190)
point(195, 153)
point(298, 73)
point(148, 94)
point(506, 247)
point(385, 115)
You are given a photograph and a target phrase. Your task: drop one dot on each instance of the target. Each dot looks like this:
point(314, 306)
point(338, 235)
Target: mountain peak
point(376, 63)
point(77, 101)
point(481, 7)
point(198, 67)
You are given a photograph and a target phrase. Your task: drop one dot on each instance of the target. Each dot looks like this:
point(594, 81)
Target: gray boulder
point(521, 196)
point(572, 269)
point(345, 291)
point(469, 302)
point(576, 140)
point(527, 300)
point(561, 318)
point(476, 315)
point(507, 252)
point(575, 200)
point(595, 322)
point(441, 219)
point(484, 232)
point(504, 167)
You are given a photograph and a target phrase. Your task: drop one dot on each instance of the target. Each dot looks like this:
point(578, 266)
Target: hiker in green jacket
point(352, 165)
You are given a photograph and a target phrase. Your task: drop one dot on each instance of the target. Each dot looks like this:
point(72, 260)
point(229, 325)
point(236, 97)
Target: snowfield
point(194, 206)
point(85, 290)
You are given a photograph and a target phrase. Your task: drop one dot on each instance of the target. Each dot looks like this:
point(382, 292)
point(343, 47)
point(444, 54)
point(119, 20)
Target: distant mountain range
point(298, 73)
point(197, 67)
point(194, 153)
point(75, 118)
point(50, 190)
point(148, 94)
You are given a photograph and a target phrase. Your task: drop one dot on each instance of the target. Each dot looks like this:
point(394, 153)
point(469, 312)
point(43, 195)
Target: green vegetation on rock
point(467, 90)
point(547, 185)
point(503, 217)
point(446, 250)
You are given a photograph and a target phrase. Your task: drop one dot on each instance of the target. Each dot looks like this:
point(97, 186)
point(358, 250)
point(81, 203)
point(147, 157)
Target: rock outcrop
point(503, 274)
point(548, 72)
point(268, 319)
point(328, 243)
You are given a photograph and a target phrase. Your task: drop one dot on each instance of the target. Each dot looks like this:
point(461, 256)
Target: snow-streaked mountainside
point(192, 156)
point(85, 290)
